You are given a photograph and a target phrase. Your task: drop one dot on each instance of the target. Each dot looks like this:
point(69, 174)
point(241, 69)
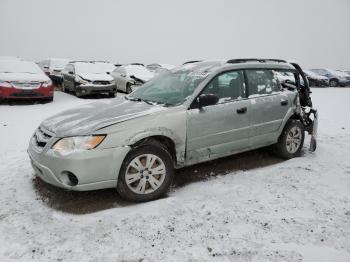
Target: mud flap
point(313, 141)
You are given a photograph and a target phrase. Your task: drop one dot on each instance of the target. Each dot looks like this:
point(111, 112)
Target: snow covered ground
point(250, 207)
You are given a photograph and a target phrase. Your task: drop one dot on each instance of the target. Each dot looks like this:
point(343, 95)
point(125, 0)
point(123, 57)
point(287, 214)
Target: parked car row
point(22, 79)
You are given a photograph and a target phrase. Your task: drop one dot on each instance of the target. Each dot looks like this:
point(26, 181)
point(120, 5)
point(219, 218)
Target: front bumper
point(93, 169)
point(37, 93)
point(96, 89)
point(344, 83)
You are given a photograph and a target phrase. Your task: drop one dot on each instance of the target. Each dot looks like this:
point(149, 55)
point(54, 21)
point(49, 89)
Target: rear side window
point(227, 86)
point(262, 82)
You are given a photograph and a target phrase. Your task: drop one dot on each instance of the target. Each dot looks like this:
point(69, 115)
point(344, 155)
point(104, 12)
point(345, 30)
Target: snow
point(89, 68)
point(249, 207)
point(17, 70)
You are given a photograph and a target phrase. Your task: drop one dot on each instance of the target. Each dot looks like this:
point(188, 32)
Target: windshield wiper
point(139, 100)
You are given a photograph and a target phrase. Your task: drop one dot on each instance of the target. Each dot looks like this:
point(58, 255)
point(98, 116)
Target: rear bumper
point(38, 93)
point(93, 169)
point(96, 89)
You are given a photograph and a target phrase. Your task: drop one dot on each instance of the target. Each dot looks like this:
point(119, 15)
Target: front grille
point(41, 138)
point(26, 85)
point(100, 82)
point(26, 93)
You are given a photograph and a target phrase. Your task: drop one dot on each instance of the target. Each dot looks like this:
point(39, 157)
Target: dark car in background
point(336, 78)
point(84, 78)
point(316, 80)
point(53, 68)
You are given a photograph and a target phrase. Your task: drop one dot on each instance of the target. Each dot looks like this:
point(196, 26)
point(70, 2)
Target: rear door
point(221, 129)
point(269, 106)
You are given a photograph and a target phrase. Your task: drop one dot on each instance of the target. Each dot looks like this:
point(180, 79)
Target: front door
point(221, 129)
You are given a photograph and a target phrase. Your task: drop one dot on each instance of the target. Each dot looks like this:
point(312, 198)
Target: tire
point(111, 94)
point(128, 88)
point(333, 82)
point(291, 141)
point(145, 186)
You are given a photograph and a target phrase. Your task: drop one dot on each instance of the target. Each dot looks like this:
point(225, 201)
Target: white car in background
point(53, 68)
point(128, 77)
point(24, 80)
point(159, 68)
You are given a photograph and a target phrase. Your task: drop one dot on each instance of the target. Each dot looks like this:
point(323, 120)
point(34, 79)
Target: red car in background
point(24, 80)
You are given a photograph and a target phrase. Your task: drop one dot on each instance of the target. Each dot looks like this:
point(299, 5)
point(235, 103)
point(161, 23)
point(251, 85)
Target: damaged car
point(85, 78)
point(129, 77)
point(194, 113)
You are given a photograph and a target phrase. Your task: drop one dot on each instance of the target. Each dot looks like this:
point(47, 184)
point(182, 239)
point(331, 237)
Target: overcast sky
point(316, 33)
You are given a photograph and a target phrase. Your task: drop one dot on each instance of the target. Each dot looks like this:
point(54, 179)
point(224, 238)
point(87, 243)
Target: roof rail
point(260, 60)
point(191, 62)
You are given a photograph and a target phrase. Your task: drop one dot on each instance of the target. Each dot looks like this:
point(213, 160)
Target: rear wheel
point(146, 173)
point(291, 141)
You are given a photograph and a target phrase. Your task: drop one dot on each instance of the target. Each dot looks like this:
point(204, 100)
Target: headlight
point(79, 80)
point(5, 84)
point(68, 144)
point(47, 83)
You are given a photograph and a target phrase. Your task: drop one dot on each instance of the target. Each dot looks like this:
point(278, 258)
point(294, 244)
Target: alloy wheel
point(145, 174)
point(293, 140)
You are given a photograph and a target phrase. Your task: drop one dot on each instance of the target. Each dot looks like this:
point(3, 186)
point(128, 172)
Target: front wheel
point(146, 173)
point(333, 83)
point(291, 141)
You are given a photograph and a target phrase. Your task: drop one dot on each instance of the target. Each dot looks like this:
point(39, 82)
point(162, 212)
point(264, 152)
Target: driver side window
point(227, 86)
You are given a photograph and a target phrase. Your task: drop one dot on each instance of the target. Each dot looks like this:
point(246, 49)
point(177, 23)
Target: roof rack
point(260, 60)
point(191, 62)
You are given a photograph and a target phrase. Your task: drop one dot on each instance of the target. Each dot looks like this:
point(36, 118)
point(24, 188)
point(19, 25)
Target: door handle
point(284, 102)
point(242, 110)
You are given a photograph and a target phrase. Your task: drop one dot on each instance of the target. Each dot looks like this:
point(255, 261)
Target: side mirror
point(46, 67)
point(70, 72)
point(207, 100)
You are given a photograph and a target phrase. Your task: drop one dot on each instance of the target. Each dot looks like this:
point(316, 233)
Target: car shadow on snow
point(75, 202)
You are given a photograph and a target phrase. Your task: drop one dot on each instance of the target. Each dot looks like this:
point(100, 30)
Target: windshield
point(137, 70)
point(19, 67)
point(169, 89)
point(107, 67)
point(89, 68)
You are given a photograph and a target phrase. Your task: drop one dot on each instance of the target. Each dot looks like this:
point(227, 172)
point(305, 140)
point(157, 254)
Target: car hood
point(23, 77)
point(143, 77)
point(95, 77)
point(94, 116)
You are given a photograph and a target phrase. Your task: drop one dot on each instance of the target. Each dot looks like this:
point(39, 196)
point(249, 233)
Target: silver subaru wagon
point(196, 112)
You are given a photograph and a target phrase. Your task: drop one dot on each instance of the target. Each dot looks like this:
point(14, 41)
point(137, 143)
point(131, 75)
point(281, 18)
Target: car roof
point(211, 66)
